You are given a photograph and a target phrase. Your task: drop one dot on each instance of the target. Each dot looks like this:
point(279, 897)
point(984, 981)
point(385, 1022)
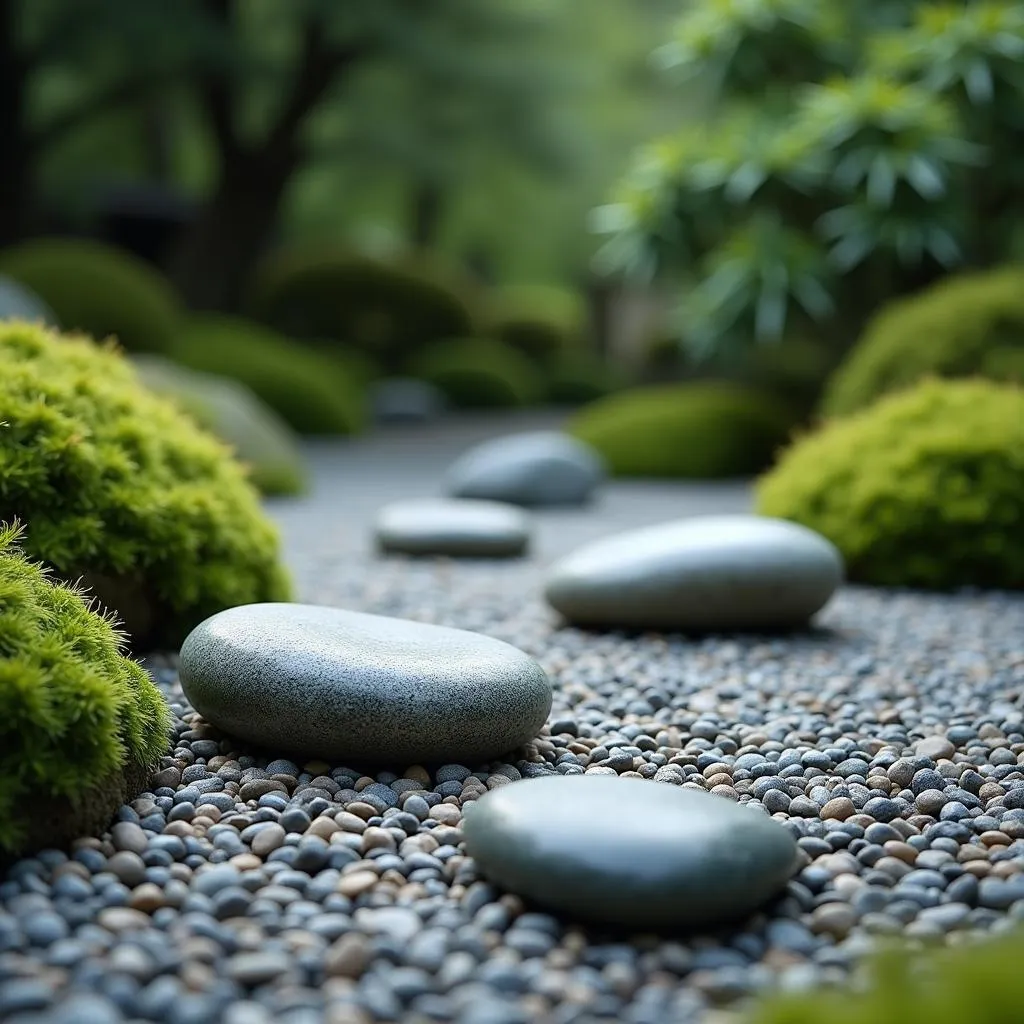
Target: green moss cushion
point(540, 321)
point(479, 373)
point(968, 325)
point(574, 378)
point(695, 431)
point(80, 724)
point(309, 390)
point(99, 290)
point(116, 485)
point(923, 489)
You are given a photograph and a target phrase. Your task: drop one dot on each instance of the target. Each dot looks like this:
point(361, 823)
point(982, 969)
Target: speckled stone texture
point(622, 852)
point(453, 527)
point(329, 683)
point(733, 572)
point(537, 468)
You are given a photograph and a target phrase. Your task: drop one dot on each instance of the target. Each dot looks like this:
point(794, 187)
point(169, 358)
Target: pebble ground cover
point(886, 739)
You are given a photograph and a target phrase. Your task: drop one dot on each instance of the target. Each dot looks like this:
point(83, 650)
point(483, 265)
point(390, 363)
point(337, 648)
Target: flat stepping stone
point(535, 469)
point(630, 853)
point(703, 573)
point(345, 686)
point(459, 529)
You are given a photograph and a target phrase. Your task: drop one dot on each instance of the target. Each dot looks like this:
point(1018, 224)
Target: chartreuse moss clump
point(695, 431)
point(967, 325)
point(116, 486)
point(80, 723)
point(923, 489)
point(976, 983)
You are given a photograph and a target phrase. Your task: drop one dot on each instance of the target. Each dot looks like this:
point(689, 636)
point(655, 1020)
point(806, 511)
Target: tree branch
point(215, 86)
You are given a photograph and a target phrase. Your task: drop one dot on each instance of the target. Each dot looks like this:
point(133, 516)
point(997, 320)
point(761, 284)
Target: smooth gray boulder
point(703, 573)
point(406, 400)
point(340, 685)
point(453, 527)
point(20, 303)
point(629, 852)
point(538, 468)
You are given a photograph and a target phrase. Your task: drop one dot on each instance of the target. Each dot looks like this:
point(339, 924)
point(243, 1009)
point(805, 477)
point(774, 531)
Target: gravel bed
point(247, 889)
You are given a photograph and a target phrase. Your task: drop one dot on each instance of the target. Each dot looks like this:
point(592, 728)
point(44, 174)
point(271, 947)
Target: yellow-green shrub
point(923, 489)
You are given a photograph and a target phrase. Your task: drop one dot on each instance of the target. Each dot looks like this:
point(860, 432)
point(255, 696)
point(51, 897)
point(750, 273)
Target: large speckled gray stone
point(340, 685)
point(701, 573)
point(406, 400)
point(629, 852)
point(439, 526)
point(538, 468)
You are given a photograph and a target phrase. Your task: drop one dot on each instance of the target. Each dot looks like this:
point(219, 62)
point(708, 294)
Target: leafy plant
point(925, 488)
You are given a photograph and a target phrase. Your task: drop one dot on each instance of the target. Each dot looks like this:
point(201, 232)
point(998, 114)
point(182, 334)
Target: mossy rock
point(387, 310)
point(257, 436)
point(479, 373)
point(687, 431)
point(309, 390)
point(98, 290)
point(540, 321)
point(81, 725)
point(967, 325)
point(117, 486)
point(923, 489)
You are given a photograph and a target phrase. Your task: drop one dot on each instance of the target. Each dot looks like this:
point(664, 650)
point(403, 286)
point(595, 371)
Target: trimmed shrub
point(308, 390)
point(478, 373)
point(98, 290)
point(538, 320)
point(695, 431)
point(574, 378)
point(117, 487)
point(967, 325)
point(389, 311)
point(976, 983)
point(80, 724)
point(259, 438)
point(923, 489)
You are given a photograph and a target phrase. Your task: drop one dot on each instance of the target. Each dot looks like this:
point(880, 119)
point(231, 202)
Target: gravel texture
point(245, 888)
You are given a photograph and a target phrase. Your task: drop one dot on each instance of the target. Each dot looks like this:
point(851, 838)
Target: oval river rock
point(629, 852)
point(701, 573)
point(466, 529)
point(340, 685)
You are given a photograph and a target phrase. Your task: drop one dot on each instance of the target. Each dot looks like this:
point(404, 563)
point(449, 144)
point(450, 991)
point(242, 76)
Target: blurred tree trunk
point(15, 165)
point(426, 215)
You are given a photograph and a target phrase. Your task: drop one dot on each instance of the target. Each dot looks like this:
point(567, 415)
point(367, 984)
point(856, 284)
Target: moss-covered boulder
point(541, 321)
point(310, 391)
point(695, 431)
point(923, 489)
point(479, 373)
point(98, 290)
point(967, 325)
point(81, 725)
point(388, 310)
point(259, 438)
point(116, 486)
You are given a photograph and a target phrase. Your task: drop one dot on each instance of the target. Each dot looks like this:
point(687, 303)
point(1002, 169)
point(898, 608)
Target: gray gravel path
point(245, 888)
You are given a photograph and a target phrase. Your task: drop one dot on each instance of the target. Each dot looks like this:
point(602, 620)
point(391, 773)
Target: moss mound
point(312, 393)
point(259, 438)
point(695, 431)
point(967, 325)
point(479, 373)
point(575, 378)
point(948, 986)
point(116, 486)
point(923, 489)
point(80, 724)
point(388, 311)
point(98, 290)
point(538, 320)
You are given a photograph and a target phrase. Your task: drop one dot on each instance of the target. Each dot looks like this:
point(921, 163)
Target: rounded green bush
point(574, 378)
point(967, 325)
point(538, 320)
point(98, 290)
point(307, 389)
point(478, 373)
point(259, 438)
point(923, 489)
point(389, 311)
point(80, 723)
point(117, 487)
point(695, 431)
